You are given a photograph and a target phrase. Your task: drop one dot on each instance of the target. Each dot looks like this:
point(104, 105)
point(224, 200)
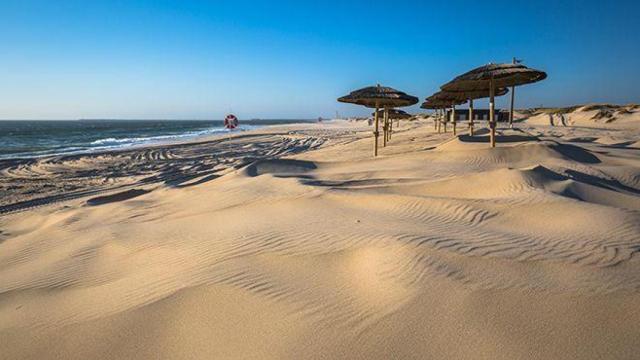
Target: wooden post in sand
point(390, 128)
point(453, 119)
point(444, 119)
point(513, 92)
point(439, 120)
point(492, 118)
point(385, 128)
point(375, 132)
point(386, 117)
point(471, 117)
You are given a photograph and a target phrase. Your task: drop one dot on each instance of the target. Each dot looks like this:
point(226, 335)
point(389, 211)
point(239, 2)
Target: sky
point(291, 59)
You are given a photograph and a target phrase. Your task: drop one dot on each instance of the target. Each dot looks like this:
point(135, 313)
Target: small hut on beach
point(378, 97)
point(491, 78)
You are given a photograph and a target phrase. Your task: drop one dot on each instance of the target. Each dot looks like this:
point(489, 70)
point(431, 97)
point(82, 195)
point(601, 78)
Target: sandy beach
point(293, 242)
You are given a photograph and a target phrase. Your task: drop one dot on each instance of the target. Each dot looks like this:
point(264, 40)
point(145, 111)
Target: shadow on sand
point(501, 139)
point(482, 136)
point(609, 184)
point(280, 167)
point(121, 196)
point(576, 153)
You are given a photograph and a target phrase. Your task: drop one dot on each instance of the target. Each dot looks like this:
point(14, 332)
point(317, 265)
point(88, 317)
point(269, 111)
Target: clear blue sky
point(291, 59)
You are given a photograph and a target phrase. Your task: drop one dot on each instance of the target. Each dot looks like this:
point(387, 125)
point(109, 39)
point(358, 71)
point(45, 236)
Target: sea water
point(37, 138)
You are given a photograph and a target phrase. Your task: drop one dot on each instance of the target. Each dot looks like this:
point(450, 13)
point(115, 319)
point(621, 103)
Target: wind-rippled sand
point(441, 248)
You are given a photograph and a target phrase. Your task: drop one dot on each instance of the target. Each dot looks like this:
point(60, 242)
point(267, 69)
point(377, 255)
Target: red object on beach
point(231, 122)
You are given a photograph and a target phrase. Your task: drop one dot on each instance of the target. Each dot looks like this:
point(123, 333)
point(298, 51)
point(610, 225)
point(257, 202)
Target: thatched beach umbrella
point(429, 106)
point(451, 99)
point(394, 114)
point(438, 106)
point(399, 115)
point(379, 97)
point(491, 77)
point(468, 96)
point(442, 101)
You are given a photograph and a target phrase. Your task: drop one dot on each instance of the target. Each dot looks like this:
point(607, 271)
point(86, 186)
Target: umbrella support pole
point(375, 133)
point(384, 133)
point(444, 121)
point(513, 95)
point(453, 119)
point(492, 110)
point(471, 117)
point(513, 91)
point(385, 128)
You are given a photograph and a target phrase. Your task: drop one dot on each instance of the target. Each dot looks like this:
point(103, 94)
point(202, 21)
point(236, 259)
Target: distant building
point(479, 114)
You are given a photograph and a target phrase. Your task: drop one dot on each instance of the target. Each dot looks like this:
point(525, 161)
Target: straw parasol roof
point(443, 99)
point(395, 114)
point(379, 96)
point(432, 105)
point(503, 75)
point(465, 95)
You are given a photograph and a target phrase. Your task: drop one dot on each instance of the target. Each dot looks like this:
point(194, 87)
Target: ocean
point(37, 138)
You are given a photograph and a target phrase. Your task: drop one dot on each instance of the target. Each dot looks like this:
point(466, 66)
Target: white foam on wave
point(147, 139)
point(112, 143)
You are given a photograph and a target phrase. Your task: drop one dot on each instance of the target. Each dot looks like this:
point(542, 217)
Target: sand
point(293, 242)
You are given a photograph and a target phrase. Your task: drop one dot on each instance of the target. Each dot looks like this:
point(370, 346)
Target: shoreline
point(171, 140)
point(17, 172)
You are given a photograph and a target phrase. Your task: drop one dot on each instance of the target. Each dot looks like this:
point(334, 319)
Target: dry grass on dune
point(440, 248)
point(592, 115)
point(586, 107)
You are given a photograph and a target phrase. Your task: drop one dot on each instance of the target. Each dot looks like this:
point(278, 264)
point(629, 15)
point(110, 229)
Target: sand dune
point(295, 243)
point(602, 116)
